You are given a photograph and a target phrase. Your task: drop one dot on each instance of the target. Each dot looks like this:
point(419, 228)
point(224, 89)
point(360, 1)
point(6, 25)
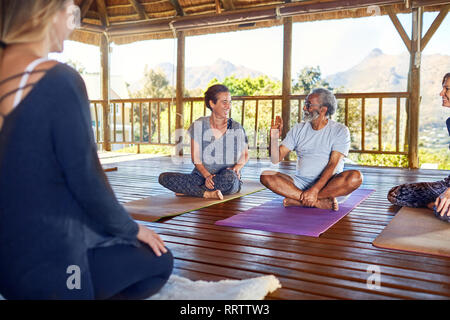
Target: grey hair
point(327, 99)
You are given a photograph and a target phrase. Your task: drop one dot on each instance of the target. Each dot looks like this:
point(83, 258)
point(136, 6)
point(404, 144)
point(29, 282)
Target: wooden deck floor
point(333, 266)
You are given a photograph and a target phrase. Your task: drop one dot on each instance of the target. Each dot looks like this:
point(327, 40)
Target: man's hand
point(309, 197)
point(276, 128)
point(442, 203)
point(151, 238)
point(209, 183)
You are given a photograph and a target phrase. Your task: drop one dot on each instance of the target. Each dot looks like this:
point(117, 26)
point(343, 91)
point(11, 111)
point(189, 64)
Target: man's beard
point(310, 116)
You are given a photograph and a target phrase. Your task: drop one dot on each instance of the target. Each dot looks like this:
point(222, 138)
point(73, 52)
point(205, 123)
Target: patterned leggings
point(418, 195)
point(193, 184)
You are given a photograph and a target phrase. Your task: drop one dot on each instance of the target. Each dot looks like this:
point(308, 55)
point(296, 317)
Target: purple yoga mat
point(273, 216)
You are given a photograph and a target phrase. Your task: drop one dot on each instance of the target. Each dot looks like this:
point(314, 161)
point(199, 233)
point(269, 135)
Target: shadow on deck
point(334, 266)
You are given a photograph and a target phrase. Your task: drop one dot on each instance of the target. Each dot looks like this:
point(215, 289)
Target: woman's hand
point(442, 203)
point(209, 183)
point(237, 169)
point(151, 238)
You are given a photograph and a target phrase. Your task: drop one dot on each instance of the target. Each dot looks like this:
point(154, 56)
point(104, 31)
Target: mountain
point(380, 72)
point(199, 77)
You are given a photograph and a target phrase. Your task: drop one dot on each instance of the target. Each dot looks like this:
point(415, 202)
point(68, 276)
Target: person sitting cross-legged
point(321, 145)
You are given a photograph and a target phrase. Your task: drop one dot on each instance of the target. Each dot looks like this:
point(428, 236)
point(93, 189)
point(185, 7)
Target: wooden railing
point(377, 121)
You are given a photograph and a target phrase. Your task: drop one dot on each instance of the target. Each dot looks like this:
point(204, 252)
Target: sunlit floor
point(334, 266)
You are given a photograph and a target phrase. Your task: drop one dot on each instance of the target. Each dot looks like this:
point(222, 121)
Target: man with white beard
point(321, 145)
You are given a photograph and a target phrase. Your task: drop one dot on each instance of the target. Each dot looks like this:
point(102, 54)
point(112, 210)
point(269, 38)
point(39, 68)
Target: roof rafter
point(85, 8)
point(228, 4)
point(398, 25)
point(101, 7)
point(178, 8)
point(218, 8)
point(139, 9)
point(434, 26)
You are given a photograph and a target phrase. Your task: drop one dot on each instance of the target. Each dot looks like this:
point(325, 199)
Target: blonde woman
point(63, 234)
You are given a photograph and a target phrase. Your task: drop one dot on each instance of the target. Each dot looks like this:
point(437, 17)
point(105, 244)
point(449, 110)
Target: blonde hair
point(24, 21)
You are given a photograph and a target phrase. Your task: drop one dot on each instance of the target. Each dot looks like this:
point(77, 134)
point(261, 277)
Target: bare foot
point(288, 202)
point(216, 194)
point(327, 203)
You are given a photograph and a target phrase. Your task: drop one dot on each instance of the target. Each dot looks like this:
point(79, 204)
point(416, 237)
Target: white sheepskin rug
point(179, 288)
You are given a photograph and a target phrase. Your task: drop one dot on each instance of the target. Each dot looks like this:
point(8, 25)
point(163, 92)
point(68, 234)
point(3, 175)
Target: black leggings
point(127, 272)
point(115, 272)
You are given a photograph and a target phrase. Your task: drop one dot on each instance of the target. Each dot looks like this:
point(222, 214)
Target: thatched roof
point(126, 21)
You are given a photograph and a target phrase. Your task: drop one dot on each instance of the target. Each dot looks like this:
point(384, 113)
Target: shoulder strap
point(24, 80)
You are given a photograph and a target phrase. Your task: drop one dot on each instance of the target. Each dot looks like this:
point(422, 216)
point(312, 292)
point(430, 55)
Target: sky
point(333, 45)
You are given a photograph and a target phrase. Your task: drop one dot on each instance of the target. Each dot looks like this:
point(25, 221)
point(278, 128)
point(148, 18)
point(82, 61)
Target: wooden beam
point(434, 26)
point(287, 78)
point(242, 16)
point(139, 9)
point(179, 118)
point(105, 62)
point(414, 88)
point(218, 8)
point(228, 5)
point(398, 25)
point(85, 8)
point(177, 7)
point(101, 7)
point(424, 3)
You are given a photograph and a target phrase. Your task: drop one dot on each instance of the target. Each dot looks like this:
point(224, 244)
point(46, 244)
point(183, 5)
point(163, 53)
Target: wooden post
point(105, 92)
point(287, 79)
point(179, 118)
point(414, 87)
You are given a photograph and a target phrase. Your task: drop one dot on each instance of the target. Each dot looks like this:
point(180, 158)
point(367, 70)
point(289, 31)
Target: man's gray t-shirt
point(218, 154)
point(314, 147)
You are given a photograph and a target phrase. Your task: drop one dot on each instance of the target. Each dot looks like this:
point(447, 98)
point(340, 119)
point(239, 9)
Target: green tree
point(77, 65)
point(307, 79)
point(155, 85)
point(262, 85)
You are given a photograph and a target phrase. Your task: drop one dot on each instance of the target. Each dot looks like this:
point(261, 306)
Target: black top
point(55, 201)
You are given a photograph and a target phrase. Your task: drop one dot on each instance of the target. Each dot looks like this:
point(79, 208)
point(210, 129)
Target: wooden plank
point(397, 127)
point(101, 7)
point(85, 8)
point(105, 64)
point(139, 9)
point(180, 86)
point(414, 76)
point(178, 8)
point(380, 124)
point(287, 77)
point(363, 124)
point(228, 4)
point(333, 266)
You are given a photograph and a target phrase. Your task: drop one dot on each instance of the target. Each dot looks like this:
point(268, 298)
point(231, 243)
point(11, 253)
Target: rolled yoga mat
point(160, 206)
point(416, 230)
point(273, 216)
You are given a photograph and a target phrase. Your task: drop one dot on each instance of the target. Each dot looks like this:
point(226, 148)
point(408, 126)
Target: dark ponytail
point(446, 77)
point(212, 92)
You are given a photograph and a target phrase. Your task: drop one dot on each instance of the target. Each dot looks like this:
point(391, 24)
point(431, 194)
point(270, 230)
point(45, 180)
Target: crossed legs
point(225, 182)
point(340, 185)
